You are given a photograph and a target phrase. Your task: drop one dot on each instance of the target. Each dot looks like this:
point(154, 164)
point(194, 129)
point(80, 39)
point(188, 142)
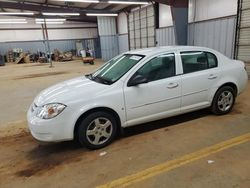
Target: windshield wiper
point(98, 79)
point(103, 80)
point(89, 76)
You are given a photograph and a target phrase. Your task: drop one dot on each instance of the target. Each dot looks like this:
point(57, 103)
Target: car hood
point(69, 91)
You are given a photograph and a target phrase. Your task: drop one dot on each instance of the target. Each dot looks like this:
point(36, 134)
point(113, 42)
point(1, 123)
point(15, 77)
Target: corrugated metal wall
point(34, 46)
point(122, 23)
point(26, 46)
point(12, 34)
point(165, 36)
point(243, 32)
point(107, 26)
point(123, 43)
point(109, 47)
point(108, 37)
point(142, 28)
point(202, 10)
point(217, 34)
point(211, 24)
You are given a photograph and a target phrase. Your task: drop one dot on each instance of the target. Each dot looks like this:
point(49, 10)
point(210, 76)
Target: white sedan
point(133, 88)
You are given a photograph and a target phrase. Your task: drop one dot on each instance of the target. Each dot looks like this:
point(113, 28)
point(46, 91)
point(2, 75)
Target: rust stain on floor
point(46, 164)
point(36, 64)
point(37, 159)
point(39, 75)
point(49, 157)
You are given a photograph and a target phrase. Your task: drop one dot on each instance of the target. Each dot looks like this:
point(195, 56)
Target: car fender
point(223, 80)
point(92, 105)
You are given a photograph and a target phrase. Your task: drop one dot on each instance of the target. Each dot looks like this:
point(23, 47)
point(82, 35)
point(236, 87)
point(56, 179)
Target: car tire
point(223, 101)
point(97, 130)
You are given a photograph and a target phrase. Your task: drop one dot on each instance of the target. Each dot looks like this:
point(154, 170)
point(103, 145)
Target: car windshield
point(114, 69)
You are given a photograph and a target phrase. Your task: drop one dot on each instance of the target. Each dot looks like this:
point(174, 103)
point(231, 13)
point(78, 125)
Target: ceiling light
point(50, 23)
point(50, 20)
point(60, 14)
point(101, 14)
point(14, 22)
point(82, 1)
point(129, 2)
point(16, 13)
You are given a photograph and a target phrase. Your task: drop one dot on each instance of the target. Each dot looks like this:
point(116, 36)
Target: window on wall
point(197, 61)
point(142, 28)
point(158, 68)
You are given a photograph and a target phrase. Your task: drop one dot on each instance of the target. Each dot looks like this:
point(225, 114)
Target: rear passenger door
point(200, 72)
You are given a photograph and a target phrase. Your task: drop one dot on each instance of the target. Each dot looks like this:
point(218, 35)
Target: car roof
point(157, 50)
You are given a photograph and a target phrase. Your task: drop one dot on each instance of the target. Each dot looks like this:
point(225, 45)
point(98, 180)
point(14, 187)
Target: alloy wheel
point(225, 101)
point(99, 131)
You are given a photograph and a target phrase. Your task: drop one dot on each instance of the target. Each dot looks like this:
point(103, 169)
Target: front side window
point(114, 69)
point(193, 61)
point(158, 68)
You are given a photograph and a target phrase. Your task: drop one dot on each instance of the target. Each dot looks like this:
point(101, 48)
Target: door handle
point(172, 85)
point(211, 77)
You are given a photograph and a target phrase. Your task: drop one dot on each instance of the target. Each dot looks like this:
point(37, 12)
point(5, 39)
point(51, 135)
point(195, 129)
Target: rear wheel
point(97, 130)
point(223, 100)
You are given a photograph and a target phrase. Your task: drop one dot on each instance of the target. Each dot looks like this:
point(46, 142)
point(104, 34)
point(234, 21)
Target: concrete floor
point(21, 83)
point(28, 163)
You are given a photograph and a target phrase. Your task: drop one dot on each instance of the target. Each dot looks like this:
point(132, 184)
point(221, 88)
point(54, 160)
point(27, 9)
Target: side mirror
point(136, 80)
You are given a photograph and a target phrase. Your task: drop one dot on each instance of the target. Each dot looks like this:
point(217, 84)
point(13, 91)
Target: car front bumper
point(50, 130)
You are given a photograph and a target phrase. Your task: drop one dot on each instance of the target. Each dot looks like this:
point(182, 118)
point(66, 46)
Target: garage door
point(243, 31)
point(142, 28)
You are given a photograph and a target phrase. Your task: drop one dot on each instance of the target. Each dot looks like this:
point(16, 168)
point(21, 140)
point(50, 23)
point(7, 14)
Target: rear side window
point(212, 60)
point(197, 61)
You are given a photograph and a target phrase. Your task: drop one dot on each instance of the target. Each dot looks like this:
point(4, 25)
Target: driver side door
point(160, 97)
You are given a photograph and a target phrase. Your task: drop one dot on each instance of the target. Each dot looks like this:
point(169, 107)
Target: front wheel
point(97, 130)
point(223, 100)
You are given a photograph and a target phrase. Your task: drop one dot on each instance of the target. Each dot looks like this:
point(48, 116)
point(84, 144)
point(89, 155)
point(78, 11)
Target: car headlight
point(49, 111)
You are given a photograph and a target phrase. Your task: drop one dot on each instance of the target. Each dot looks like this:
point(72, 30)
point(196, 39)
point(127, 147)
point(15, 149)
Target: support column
point(48, 45)
point(46, 42)
point(179, 10)
point(108, 37)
